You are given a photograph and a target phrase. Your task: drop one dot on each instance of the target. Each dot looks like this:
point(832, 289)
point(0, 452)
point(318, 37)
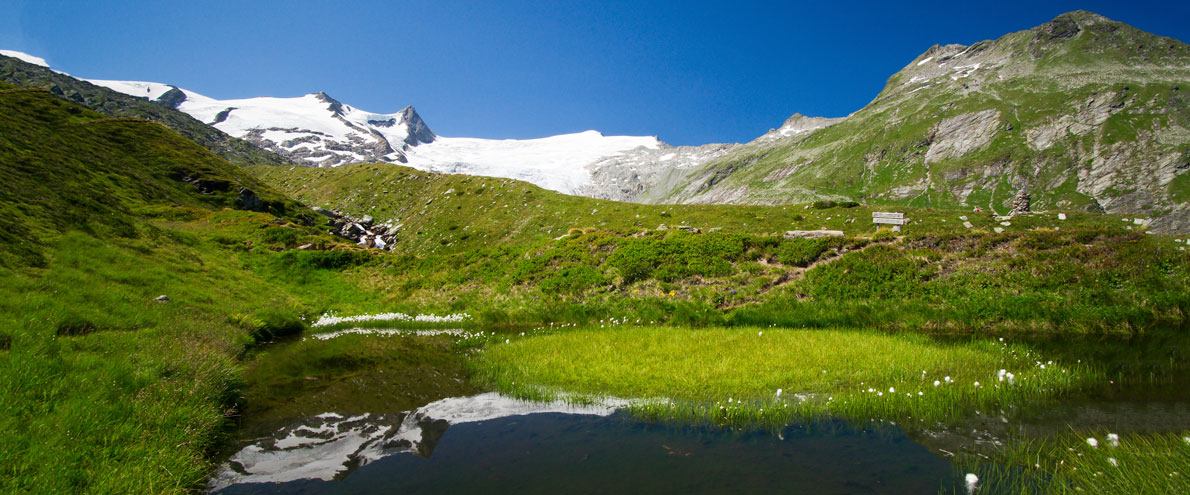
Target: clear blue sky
point(690, 72)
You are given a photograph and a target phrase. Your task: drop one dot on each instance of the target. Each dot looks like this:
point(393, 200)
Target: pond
point(493, 444)
point(343, 415)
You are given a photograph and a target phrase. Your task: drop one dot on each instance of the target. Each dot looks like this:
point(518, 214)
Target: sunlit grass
point(770, 376)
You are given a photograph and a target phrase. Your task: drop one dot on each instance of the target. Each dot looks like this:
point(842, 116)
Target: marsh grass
point(1139, 463)
point(731, 375)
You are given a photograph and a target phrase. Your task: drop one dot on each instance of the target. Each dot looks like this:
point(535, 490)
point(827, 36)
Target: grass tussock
point(732, 375)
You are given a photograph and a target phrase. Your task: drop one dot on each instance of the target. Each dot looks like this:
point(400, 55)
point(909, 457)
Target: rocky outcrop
point(632, 175)
point(956, 136)
point(363, 231)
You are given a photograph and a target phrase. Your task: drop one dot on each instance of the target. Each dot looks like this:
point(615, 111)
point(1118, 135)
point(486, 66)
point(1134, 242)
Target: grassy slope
point(485, 212)
point(104, 390)
point(1088, 274)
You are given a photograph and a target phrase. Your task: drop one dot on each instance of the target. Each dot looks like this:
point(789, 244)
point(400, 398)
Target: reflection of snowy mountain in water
point(329, 446)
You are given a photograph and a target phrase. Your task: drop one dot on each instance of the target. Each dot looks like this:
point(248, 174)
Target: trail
point(794, 273)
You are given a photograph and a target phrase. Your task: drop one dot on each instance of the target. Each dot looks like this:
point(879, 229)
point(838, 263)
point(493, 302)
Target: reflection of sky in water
point(500, 445)
point(330, 445)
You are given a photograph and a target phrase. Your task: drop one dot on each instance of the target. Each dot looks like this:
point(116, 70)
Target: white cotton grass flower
point(971, 480)
point(1113, 440)
point(892, 390)
point(937, 383)
point(328, 319)
point(1113, 461)
point(947, 379)
point(976, 384)
point(1186, 440)
point(1001, 374)
point(778, 393)
point(1093, 442)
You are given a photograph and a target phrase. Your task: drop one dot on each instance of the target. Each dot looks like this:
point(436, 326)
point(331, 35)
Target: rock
point(162, 299)
point(687, 228)
point(712, 230)
point(324, 212)
point(968, 224)
point(662, 227)
point(812, 234)
point(367, 221)
point(956, 136)
point(1020, 204)
point(304, 247)
point(248, 200)
point(1061, 216)
point(999, 230)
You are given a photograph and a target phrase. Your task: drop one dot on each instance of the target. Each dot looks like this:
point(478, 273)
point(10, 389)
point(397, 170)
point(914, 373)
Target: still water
point(491, 444)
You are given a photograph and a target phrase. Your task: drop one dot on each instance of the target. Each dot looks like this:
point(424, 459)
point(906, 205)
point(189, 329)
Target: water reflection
point(491, 444)
point(329, 446)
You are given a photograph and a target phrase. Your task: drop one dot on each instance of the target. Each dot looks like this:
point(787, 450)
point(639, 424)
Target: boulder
point(812, 234)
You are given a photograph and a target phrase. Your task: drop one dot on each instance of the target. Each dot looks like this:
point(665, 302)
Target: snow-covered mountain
point(318, 129)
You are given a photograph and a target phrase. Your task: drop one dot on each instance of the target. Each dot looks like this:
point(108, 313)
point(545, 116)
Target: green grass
point(732, 375)
point(1140, 463)
point(104, 390)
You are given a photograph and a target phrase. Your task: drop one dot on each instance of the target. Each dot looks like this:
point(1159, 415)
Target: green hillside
point(104, 389)
point(445, 213)
point(1082, 113)
point(115, 104)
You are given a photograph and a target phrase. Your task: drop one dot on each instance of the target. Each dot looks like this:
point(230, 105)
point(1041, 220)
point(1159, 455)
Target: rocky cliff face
point(1080, 113)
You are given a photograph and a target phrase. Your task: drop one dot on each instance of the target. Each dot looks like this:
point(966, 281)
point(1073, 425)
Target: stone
point(1020, 204)
point(162, 299)
point(366, 221)
point(248, 200)
point(812, 234)
point(1061, 216)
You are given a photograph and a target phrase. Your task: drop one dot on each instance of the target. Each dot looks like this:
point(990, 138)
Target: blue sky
point(689, 72)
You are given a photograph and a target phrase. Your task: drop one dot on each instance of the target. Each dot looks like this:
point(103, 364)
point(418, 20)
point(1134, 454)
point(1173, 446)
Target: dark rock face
point(222, 116)
point(248, 200)
point(419, 132)
point(172, 98)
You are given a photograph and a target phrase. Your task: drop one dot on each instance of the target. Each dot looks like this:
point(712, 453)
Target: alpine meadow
point(976, 283)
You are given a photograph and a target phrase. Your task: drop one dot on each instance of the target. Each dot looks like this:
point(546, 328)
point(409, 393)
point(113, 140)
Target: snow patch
point(25, 57)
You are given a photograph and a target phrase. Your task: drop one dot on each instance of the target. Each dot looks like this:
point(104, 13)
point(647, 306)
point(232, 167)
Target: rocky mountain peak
point(335, 106)
point(419, 132)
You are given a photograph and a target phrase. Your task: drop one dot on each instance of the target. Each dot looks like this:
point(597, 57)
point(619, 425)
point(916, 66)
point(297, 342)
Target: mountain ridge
point(1080, 112)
